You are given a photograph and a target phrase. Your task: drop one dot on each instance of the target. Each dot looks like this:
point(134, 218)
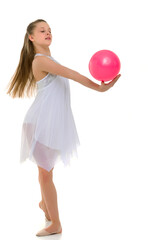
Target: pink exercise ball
point(104, 65)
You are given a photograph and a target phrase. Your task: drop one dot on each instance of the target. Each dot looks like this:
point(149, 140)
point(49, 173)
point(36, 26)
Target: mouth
point(48, 38)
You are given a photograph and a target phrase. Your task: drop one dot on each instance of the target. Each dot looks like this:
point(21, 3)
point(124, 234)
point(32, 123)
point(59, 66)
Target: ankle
point(56, 223)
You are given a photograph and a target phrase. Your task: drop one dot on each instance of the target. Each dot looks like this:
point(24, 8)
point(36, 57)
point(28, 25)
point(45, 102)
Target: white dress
point(48, 132)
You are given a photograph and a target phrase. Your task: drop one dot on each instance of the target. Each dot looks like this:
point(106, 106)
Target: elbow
point(76, 76)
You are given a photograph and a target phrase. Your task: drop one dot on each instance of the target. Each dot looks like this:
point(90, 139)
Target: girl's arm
point(44, 64)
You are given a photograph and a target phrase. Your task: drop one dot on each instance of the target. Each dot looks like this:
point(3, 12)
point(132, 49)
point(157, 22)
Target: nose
point(48, 32)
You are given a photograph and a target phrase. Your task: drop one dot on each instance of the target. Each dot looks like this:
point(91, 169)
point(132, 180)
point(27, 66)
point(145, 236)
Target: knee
point(44, 176)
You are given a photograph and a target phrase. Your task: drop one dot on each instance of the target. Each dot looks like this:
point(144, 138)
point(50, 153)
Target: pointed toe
point(43, 232)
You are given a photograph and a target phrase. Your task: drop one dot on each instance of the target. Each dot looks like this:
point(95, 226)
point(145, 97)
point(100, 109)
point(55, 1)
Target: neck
point(45, 51)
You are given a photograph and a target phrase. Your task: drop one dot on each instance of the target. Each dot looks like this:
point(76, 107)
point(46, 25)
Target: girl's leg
point(42, 205)
point(49, 194)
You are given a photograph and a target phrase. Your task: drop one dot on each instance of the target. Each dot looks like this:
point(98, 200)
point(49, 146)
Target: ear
point(31, 38)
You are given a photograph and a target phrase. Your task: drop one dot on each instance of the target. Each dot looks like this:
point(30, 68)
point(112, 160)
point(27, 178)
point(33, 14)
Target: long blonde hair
point(23, 79)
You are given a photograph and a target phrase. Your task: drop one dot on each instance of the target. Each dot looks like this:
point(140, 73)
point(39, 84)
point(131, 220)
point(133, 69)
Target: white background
point(112, 191)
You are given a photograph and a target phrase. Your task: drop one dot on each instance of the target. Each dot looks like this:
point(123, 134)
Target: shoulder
point(41, 63)
point(38, 69)
point(44, 63)
point(38, 60)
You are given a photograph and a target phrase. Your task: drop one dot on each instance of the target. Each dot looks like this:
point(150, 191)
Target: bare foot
point(54, 228)
point(42, 206)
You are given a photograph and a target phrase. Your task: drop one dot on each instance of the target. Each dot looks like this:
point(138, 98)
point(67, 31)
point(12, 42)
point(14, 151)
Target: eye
point(42, 31)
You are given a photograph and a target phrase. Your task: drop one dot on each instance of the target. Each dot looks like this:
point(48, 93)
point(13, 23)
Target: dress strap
point(40, 54)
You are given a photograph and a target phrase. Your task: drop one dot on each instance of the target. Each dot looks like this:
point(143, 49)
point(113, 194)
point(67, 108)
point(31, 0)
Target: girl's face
point(42, 35)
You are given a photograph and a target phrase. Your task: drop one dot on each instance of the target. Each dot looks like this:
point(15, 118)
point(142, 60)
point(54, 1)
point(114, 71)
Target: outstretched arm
point(44, 64)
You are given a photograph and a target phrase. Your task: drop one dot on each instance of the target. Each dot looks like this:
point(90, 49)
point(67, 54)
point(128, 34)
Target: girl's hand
point(104, 87)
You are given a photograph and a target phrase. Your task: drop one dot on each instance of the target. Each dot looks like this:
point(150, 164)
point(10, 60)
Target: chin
point(49, 43)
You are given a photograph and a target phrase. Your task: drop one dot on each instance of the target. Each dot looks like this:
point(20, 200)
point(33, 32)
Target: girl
point(48, 132)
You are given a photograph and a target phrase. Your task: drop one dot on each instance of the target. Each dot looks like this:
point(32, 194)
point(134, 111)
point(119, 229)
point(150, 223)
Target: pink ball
point(104, 65)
